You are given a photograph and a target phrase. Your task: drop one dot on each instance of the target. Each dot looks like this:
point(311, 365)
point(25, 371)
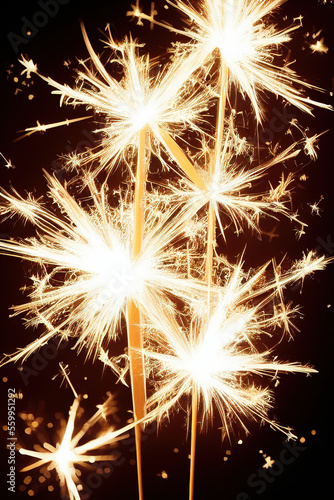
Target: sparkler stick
point(211, 238)
point(135, 338)
point(194, 413)
point(180, 157)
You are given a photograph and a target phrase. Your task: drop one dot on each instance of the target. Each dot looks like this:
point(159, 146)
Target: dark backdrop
point(303, 403)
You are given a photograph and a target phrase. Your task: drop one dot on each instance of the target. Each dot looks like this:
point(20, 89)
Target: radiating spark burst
point(219, 355)
point(319, 46)
point(229, 188)
point(142, 97)
point(87, 271)
point(310, 142)
point(8, 163)
point(247, 44)
point(68, 453)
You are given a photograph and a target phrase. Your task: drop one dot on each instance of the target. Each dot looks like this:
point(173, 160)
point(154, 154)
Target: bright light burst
point(160, 100)
point(68, 453)
point(222, 354)
point(247, 44)
point(87, 271)
point(231, 184)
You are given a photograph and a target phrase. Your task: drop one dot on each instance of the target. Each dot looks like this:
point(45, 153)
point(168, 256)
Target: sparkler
point(214, 360)
point(88, 272)
point(246, 44)
point(99, 264)
point(164, 104)
point(229, 188)
point(68, 453)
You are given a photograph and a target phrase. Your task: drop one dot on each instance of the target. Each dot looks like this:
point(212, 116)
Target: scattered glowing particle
point(31, 416)
point(164, 474)
point(319, 46)
point(79, 487)
point(41, 479)
point(31, 493)
point(5, 428)
point(30, 97)
point(132, 461)
point(240, 441)
point(4, 379)
point(228, 452)
point(329, 305)
point(225, 459)
point(50, 425)
point(176, 450)
point(27, 431)
point(50, 488)
point(313, 432)
point(261, 451)
point(28, 33)
point(302, 440)
point(303, 177)
point(85, 378)
point(85, 396)
point(34, 424)
point(268, 462)
point(27, 480)
point(107, 470)
point(16, 79)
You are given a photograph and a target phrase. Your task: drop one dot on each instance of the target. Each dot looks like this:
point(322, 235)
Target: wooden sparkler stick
point(135, 338)
point(180, 157)
point(211, 237)
point(194, 405)
point(218, 147)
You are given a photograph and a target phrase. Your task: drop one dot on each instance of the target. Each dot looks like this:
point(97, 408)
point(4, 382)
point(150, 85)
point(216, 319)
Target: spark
point(87, 271)
point(268, 462)
point(315, 209)
point(8, 162)
point(68, 453)
point(319, 46)
point(165, 103)
point(29, 66)
point(44, 127)
point(311, 145)
point(229, 189)
point(219, 354)
point(247, 45)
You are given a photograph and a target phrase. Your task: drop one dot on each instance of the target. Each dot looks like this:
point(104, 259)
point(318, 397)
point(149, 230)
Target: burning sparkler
point(100, 263)
point(165, 104)
point(229, 186)
point(88, 273)
point(68, 453)
point(215, 360)
point(220, 352)
point(246, 43)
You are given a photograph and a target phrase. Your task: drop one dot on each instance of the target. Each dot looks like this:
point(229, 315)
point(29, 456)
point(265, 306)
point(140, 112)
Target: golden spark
point(87, 270)
point(164, 103)
point(219, 355)
point(247, 44)
point(68, 453)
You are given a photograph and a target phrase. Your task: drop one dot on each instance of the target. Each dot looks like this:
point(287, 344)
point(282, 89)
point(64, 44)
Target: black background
point(303, 403)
